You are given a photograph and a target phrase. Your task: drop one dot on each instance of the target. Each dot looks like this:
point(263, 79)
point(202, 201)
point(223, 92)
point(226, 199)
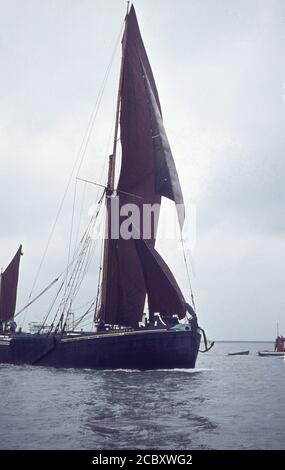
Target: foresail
point(164, 294)
point(8, 288)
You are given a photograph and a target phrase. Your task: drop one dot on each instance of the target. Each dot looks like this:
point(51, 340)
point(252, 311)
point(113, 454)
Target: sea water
point(227, 402)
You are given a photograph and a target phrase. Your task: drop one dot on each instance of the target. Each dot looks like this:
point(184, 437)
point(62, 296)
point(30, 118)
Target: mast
point(111, 176)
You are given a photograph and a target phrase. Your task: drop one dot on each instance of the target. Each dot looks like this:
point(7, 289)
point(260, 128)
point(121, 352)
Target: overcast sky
point(220, 72)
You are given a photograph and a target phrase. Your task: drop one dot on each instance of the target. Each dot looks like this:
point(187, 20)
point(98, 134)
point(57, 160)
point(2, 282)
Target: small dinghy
point(239, 353)
point(271, 353)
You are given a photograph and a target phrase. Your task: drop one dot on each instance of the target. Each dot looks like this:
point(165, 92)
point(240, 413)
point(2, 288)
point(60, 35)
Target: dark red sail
point(138, 166)
point(164, 294)
point(145, 163)
point(166, 178)
point(125, 288)
point(8, 288)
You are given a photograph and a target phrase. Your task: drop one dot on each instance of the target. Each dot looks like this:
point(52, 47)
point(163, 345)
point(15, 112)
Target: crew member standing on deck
point(192, 312)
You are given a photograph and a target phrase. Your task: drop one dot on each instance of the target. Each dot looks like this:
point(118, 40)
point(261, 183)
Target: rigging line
point(37, 297)
point(92, 220)
point(89, 258)
point(58, 277)
point(100, 95)
point(69, 312)
point(85, 265)
point(188, 273)
point(99, 282)
point(64, 321)
point(81, 252)
point(46, 289)
point(77, 276)
point(71, 230)
point(87, 325)
point(55, 316)
point(97, 194)
point(86, 144)
point(103, 186)
point(72, 279)
point(51, 307)
point(61, 303)
point(100, 179)
point(81, 275)
point(83, 306)
point(100, 201)
point(80, 271)
point(81, 151)
point(80, 215)
point(78, 321)
point(92, 182)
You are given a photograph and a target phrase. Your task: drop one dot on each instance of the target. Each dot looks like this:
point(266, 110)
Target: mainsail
point(8, 288)
point(147, 173)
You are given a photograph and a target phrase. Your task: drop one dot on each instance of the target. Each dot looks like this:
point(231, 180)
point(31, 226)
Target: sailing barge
point(131, 269)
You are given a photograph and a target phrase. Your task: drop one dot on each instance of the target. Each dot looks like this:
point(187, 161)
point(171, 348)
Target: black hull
point(139, 349)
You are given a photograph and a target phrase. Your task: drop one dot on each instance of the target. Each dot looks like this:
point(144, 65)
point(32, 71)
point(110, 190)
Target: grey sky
point(220, 72)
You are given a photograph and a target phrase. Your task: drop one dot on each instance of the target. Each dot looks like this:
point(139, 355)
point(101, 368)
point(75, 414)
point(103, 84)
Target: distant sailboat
point(131, 268)
point(279, 347)
point(8, 292)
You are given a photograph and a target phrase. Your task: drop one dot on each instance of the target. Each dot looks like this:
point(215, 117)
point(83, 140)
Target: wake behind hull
point(138, 349)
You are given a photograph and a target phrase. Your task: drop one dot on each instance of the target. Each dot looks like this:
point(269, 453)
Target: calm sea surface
point(226, 403)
